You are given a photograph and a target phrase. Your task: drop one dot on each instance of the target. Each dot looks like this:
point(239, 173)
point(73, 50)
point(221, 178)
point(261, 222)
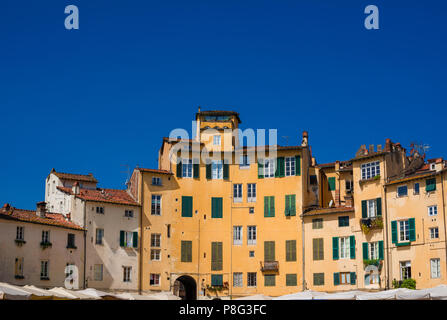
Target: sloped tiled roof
point(154, 170)
point(319, 211)
point(74, 176)
point(51, 219)
point(103, 195)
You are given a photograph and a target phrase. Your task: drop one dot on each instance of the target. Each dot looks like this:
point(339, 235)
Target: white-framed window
point(237, 192)
point(128, 213)
point(251, 192)
point(244, 161)
point(269, 168)
point(18, 267)
point(127, 274)
point(374, 250)
point(99, 236)
point(187, 168)
point(435, 268)
point(404, 230)
point(156, 205)
point(98, 272)
point(290, 166)
point(370, 170)
point(100, 210)
point(156, 181)
point(345, 278)
point(433, 210)
point(402, 191)
point(155, 255)
point(20, 233)
point(217, 169)
point(216, 140)
point(251, 279)
point(44, 269)
point(154, 279)
point(128, 239)
point(372, 208)
point(251, 235)
point(45, 236)
point(237, 279)
point(156, 240)
point(344, 248)
point(434, 233)
point(237, 235)
point(405, 270)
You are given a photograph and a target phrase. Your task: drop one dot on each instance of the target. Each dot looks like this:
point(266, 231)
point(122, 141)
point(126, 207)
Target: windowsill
point(244, 167)
point(72, 247)
point(369, 180)
point(402, 244)
point(19, 241)
point(157, 185)
point(19, 277)
point(44, 278)
point(45, 244)
point(238, 200)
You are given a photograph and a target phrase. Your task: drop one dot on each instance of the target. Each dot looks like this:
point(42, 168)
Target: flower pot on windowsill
point(19, 242)
point(45, 245)
point(44, 278)
point(375, 178)
point(72, 247)
point(19, 277)
point(373, 262)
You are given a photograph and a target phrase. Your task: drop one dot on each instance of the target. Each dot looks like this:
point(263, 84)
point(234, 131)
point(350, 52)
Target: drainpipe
point(85, 241)
point(140, 282)
point(387, 245)
point(303, 250)
point(443, 210)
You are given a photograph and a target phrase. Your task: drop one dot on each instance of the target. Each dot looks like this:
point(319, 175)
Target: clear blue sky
point(93, 99)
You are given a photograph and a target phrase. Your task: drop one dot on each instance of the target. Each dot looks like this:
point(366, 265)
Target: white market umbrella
point(11, 292)
point(99, 294)
point(166, 295)
point(348, 295)
point(41, 293)
point(382, 295)
point(255, 297)
point(62, 292)
point(303, 295)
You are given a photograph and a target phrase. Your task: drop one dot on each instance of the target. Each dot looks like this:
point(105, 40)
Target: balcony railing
point(269, 266)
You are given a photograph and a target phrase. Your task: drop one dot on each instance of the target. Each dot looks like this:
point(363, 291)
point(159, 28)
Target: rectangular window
point(216, 256)
point(186, 251)
point(44, 269)
point(345, 278)
point(433, 210)
point(237, 192)
point(154, 279)
point(318, 251)
point(434, 233)
point(18, 268)
point(216, 140)
point(156, 181)
point(244, 162)
point(430, 185)
point(217, 280)
point(290, 250)
point(251, 254)
point(331, 184)
point(99, 236)
point(374, 250)
point(71, 241)
point(290, 205)
point(127, 272)
point(251, 192)
point(128, 213)
point(269, 280)
point(405, 270)
point(186, 206)
point(269, 251)
point(269, 168)
point(155, 255)
point(344, 247)
point(269, 206)
point(187, 168)
point(237, 235)
point(343, 221)
point(251, 279)
point(313, 180)
point(100, 210)
point(435, 268)
point(372, 208)
point(156, 205)
point(318, 279)
point(349, 186)
point(216, 169)
point(216, 208)
point(402, 191)
point(97, 272)
point(156, 240)
point(237, 279)
point(45, 236)
point(251, 235)
point(317, 223)
point(291, 280)
point(416, 188)
point(290, 166)
point(20, 232)
point(404, 230)
point(370, 170)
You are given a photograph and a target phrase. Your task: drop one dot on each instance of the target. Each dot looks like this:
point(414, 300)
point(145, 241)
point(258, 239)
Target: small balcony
point(371, 223)
point(269, 266)
point(45, 245)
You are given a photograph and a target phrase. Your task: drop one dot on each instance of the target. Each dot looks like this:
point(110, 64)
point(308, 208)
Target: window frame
point(252, 235)
point(238, 235)
point(238, 279)
point(252, 281)
point(237, 192)
point(432, 210)
point(251, 192)
point(367, 170)
point(438, 268)
point(290, 166)
point(156, 205)
point(154, 279)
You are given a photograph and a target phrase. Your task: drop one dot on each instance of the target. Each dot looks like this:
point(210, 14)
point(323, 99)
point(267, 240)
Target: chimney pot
point(75, 189)
point(41, 209)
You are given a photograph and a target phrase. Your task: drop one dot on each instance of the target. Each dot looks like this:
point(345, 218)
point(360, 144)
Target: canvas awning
point(11, 292)
point(99, 294)
point(256, 297)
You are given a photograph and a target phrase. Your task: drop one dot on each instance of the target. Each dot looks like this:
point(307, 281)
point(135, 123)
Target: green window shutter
point(331, 184)
point(352, 247)
point(196, 170)
point(291, 279)
point(216, 256)
point(287, 209)
point(186, 206)
point(412, 230)
point(365, 251)
point(260, 169)
point(335, 248)
point(216, 280)
point(269, 206)
point(226, 171)
point(353, 277)
point(183, 251)
point(216, 208)
point(186, 253)
point(379, 206)
point(272, 206)
point(208, 171)
point(336, 278)
point(364, 209)
point(280, 167)
point(290, 250)
point(293, 205)
point(135, 240)
point(277, 168)
point(269, 280)
point(179, 169)
point(430, 184)
point(121, 238)
point(297, 165)
point(315, 248)
point(381, 251)
point(266, 206)
point(269, 251)
point(394, 231)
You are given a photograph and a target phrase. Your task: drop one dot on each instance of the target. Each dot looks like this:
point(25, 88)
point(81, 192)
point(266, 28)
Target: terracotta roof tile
point(319, 211)
point(73, 176)
point(51, 219)
point(103, 195)
point(154, 170)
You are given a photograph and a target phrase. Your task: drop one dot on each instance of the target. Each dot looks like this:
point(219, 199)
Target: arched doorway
point(186, 288)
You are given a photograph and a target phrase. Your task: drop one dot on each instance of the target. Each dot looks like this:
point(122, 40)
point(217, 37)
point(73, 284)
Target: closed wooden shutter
point(269, 280)
point(186, 206)
point(331, 184)
point(226, 171)
point(260, 168)
point(394, 231)
point(269, 206)
point(269, 251)
point(292, 205)
point(430, 184)
point(352, 247)
point(122, 238)
point(336, 278)
point(179, 169)
point(280, 167)
point(208, 171)
point(335, 248)
point(412, 229)
point(196, 170)
point(364, 209)
point(216, 256)
point(353, 277)
point(135, 240)
point(272, 206)
point(291, 279)
point(297, 165)
point(186, 251)
point(381, 250)
point(217, 280)
point(365, 251)
point(216, 208)
point(379, 206)
point(290, 250)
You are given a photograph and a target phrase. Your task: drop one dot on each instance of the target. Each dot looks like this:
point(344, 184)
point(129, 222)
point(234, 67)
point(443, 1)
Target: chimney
point(337, 165)
point(304, 142)
point(6, 206)
point(75, 189)
point(379, 148)
point(41, 209)
point(371, 148)
point(388, 145)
